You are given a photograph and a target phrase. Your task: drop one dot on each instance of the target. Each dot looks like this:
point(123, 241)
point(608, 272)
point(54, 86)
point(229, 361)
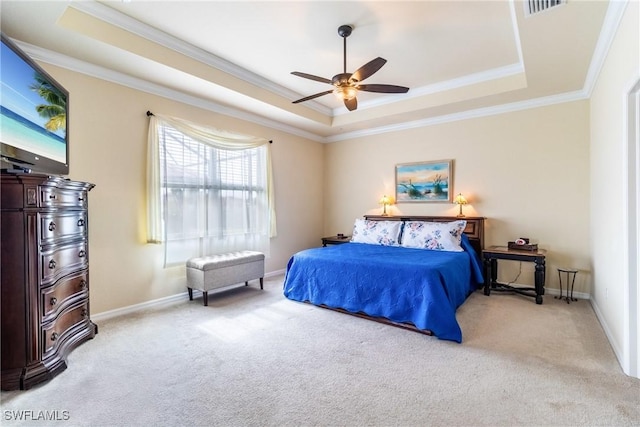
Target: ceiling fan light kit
point(348, 92)
point(346, 84)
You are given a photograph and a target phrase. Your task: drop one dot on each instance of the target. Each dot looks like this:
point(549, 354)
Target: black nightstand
point(335, 240)
point(494, 253)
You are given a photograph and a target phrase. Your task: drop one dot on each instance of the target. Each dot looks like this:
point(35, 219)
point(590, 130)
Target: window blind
point(213, 200)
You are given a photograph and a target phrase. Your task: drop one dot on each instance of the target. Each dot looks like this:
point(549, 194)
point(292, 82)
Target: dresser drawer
point(55, 333)
point(44, 303)
point(65, 292)
point(54, 227)
point(57, 197)
point(62, 261)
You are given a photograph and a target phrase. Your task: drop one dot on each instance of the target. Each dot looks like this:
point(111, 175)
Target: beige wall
point(107, 130)
point(551, 173)
point(608, 158)
point(527, 172)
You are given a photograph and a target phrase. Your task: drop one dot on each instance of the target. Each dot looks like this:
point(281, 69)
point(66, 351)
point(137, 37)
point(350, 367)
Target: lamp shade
point(460, 200)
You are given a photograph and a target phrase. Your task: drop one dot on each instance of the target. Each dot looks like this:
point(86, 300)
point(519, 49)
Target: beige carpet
point(254, 358)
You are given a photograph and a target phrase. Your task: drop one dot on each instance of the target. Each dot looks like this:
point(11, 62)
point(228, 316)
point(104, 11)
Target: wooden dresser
point(44, 255)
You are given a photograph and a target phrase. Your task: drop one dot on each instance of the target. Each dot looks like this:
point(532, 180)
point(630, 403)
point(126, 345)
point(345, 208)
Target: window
point(212, 200)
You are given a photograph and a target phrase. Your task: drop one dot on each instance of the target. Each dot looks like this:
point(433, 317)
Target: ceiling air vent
point(533, 7)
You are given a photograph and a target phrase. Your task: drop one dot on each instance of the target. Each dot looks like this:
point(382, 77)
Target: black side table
point(335, 240)
point(494, 253)
point(570, 274)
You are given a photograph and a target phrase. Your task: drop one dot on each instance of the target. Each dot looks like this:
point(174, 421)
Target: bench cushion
point(213, 262)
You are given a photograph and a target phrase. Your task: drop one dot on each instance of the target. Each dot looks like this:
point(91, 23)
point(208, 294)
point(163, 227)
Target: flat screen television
point(34, 115)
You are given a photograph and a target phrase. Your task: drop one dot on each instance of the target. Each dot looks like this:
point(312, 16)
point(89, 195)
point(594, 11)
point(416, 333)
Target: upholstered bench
point(217, 271)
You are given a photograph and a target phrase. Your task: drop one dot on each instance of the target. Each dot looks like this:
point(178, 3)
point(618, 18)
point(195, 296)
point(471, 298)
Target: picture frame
point(424, 182)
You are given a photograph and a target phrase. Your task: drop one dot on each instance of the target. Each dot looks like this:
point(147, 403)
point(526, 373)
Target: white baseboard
point(157, 303)
point(182, 296)
point(276, 273)
point(556, 292)
point(607, 331)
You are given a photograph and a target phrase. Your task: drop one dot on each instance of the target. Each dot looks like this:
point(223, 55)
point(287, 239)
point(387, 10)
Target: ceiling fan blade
point(306, 98)
point(368, 69)
point(383, 88)
point(351, 104)
point(311, 77)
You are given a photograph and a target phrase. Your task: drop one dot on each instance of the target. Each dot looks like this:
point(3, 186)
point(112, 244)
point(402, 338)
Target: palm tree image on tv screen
point(55, 111)
point(34, 109)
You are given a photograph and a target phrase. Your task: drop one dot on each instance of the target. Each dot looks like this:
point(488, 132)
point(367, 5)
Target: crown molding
point(611, 22)
point(516, 30)
point(93, 70)
point(615, 12)
point(465, 115)
point(468, 80)
point(113, 17)
point(96, 71)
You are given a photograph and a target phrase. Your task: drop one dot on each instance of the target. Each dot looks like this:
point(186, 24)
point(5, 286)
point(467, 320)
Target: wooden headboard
point(474, 229)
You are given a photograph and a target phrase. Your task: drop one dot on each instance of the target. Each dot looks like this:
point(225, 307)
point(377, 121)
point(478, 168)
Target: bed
point(382, 277)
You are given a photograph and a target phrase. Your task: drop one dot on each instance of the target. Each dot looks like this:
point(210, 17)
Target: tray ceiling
point(456, 56)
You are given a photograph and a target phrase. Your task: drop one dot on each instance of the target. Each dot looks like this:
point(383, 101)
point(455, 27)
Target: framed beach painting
point(424, 182)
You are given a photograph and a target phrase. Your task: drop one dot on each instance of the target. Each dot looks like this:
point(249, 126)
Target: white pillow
point(438, 236)
point(385, 233)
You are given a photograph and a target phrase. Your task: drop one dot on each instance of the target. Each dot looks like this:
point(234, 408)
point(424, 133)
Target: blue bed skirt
point(416, 286)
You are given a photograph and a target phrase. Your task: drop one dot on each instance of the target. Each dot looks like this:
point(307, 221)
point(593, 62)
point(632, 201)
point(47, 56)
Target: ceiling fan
point(346, 84)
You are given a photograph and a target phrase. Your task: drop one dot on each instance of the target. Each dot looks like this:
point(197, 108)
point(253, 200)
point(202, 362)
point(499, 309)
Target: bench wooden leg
point(261, 283)
point(205, 298)
point(190, 294)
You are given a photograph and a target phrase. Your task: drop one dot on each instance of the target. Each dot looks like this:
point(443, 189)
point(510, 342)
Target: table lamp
point(460, 200)
point(385, 201)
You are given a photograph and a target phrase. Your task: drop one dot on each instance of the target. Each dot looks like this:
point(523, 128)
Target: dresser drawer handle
point(52, 264)
point(81, 223)
point(81, 199)
point(83, 284)
point(84, 312)
point(52, 226)
point(53, 301)
point(81, 254)
point(52, 196)
point(54, 336)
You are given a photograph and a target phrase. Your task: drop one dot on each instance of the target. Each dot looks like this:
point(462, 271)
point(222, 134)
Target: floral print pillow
point(385, 233)
point(437, 236)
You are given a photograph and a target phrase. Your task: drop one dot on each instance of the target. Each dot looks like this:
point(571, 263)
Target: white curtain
point(214, 200)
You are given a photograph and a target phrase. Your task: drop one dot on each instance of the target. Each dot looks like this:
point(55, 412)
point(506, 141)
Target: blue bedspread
point(418, 286)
